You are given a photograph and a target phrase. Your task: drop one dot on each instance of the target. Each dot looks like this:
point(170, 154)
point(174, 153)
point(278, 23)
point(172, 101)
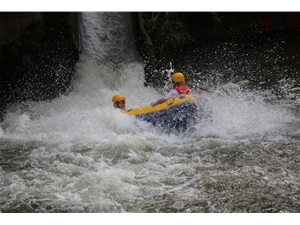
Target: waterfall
point(108, 37)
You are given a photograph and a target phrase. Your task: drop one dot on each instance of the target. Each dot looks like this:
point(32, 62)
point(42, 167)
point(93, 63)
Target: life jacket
point(183, 90)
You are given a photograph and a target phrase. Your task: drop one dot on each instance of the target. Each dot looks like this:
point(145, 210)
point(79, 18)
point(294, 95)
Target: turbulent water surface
point(77, 153)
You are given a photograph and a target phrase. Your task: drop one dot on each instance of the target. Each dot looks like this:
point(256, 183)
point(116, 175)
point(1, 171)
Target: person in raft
point(119, 101)
point(179, 88)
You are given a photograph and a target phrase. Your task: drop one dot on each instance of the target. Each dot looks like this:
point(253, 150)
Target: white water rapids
point(76, 153)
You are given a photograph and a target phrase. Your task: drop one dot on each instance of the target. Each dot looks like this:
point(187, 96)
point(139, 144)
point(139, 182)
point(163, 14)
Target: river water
point(76, 153)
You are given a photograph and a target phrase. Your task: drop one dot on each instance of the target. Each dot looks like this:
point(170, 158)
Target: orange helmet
point(118, 98)
point(178, 77)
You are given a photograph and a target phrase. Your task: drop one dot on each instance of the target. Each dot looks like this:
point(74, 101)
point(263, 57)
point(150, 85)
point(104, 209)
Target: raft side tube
point(160, 107)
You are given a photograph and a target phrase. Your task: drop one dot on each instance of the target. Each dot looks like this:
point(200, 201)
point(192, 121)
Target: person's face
point(122, 104)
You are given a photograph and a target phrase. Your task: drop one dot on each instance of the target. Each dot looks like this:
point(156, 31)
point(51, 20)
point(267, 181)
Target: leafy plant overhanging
point(167, 32)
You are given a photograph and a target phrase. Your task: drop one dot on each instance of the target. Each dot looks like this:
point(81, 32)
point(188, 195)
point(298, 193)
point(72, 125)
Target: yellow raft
point(159, 107)
point(176, 114)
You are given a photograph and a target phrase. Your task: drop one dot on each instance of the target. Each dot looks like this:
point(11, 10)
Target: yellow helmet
point(118, 98)
point(178, 77)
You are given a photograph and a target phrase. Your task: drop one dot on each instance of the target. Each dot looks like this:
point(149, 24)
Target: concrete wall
point(76, 32)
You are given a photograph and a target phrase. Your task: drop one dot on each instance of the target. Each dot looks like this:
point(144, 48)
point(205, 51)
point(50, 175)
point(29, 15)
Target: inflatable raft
point(178, 114)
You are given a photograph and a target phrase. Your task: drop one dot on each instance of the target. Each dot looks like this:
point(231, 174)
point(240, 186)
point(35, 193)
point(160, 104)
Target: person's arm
point(159, 101)
point(172, 94)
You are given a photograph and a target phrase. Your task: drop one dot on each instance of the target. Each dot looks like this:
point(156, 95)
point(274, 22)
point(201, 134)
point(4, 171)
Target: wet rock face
point(40, 65)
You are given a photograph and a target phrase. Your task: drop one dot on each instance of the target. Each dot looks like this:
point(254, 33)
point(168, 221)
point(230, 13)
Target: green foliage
point(167, 32)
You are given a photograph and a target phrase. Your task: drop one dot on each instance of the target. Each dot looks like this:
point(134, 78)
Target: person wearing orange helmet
point(179, 88)
point(119, 101)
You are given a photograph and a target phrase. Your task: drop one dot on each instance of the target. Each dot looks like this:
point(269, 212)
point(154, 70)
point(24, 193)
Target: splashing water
point(76, 153)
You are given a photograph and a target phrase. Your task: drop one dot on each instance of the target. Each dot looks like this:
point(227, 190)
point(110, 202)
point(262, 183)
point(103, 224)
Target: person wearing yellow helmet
point(119, 101)
point(179, 88)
